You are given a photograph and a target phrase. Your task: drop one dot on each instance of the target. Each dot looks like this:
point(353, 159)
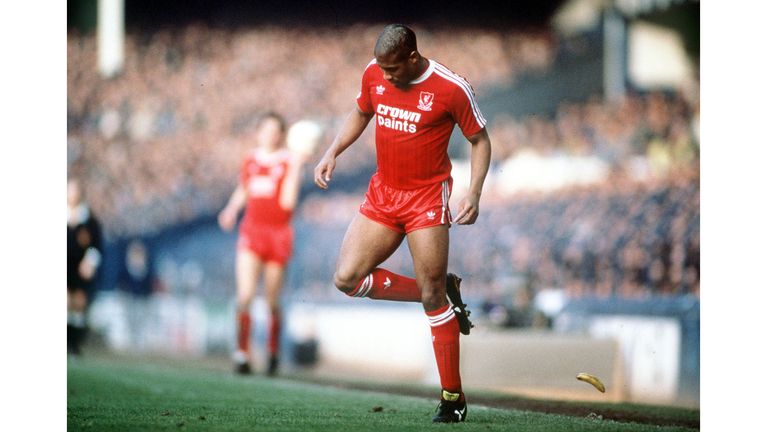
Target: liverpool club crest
point(425, 101)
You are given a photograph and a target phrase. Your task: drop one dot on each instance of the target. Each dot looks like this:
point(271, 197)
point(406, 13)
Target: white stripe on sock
point(443, 321)
point(360, 290)
point(367, 285)
point(444, 317)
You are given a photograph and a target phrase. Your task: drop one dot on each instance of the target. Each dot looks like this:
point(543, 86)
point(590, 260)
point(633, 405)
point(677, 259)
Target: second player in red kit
point(416, 102)
point(268, 189)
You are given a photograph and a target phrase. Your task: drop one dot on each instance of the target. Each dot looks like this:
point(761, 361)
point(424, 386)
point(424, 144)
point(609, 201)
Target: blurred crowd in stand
point(617, 238)
point(658, 127)
point(610, 209)
point(158, 143)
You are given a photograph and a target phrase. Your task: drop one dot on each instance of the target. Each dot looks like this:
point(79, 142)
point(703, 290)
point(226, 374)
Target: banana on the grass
point(595, 381)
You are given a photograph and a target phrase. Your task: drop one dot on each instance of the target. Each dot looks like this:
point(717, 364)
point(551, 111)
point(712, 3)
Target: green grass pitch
point(142, 395)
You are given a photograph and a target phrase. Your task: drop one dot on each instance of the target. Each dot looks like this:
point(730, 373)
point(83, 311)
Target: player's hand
point(86, 269)
point(324, 171)
point(469, 209)
point(227, 219)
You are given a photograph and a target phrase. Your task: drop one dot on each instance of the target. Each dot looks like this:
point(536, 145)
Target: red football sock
point(445, 341)
point(382, 284)
point(273, 343)
point(244, 332)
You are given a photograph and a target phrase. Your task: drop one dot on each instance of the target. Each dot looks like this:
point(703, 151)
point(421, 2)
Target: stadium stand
point(619, 238)
point(158, 143)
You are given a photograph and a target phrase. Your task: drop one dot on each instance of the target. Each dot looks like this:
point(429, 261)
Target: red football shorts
point(406, 210)
point(268, 242)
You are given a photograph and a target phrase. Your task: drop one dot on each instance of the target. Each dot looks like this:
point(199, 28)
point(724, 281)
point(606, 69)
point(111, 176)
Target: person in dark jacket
point(84, 251)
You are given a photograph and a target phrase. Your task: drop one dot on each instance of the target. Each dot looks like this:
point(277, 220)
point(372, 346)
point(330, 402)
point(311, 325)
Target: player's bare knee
point(243, 305)
point(433, 293)
point(274, 308)
point(345, 282)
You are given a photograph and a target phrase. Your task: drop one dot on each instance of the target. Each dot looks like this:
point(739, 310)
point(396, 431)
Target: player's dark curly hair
point(395, 39)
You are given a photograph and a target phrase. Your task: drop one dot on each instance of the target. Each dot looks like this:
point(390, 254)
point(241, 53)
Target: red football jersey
point(413, 126)
point(262, 176)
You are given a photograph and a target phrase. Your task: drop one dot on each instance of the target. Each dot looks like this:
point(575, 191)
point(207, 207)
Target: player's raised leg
point(366, 245)
point(247, 269)
point(274, 274)
point(429, 249)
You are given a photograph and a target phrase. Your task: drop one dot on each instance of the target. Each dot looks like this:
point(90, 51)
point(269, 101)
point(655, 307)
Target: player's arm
point(289, 193)
point(228, 215)
point(480, 160)
point(353, 127)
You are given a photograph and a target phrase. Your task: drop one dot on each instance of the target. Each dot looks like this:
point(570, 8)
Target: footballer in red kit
point(265, 229)
point(413, 128)
point(414, 124)
point(415, 103)
point(268, 189)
